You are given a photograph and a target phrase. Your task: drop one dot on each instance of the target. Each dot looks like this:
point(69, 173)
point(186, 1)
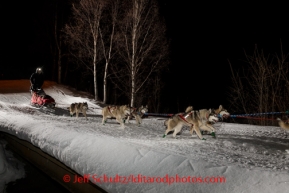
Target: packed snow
point(243, 158)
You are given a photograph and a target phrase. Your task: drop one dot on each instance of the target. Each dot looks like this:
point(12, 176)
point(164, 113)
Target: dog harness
point(185, 118)
point(111, 107)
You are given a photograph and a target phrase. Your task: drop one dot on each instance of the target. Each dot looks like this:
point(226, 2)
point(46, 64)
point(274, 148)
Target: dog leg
point(84, 113)
point(128, 118)
point(178, 128)
point(192, 131)
point(197, 129)
point(104, 120)
point(209, 128)
point(169, 128)
point(138, 119)
point(123, 120)
point(212, 128)
point(213, 133)
point(171, 124)
point(122, 123)
point(120, 120)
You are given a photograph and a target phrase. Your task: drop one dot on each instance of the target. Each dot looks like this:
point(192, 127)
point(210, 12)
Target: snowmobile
point(41, 100)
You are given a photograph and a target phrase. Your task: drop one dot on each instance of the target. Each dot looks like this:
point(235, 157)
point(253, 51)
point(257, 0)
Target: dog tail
point(282, 124)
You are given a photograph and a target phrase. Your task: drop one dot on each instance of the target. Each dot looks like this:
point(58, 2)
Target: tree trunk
point(105, 84)
point(133, 68)
point(132, 90)
point(95, 71)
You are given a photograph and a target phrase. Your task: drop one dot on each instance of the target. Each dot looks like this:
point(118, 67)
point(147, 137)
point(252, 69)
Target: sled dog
point(196, 119)
point(221, 113)
point(206, 119)
point(138, 113)
point(283, 125)
point(78, 108)
point(118, 112)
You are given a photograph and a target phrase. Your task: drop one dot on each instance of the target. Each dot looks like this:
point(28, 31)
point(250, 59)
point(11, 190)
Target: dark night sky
point(204, 36)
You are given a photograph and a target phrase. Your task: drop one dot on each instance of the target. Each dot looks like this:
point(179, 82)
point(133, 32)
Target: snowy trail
point(244, 147)
point(248, 150)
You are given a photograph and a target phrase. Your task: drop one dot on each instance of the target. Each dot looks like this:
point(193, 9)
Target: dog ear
point(220, 107)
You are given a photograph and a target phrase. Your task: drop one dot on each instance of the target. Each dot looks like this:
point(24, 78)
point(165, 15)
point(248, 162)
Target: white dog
point(222, 113)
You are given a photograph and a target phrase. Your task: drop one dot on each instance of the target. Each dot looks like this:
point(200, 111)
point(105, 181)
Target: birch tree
point(142, 46)
point(83, 35)
point(107, 34)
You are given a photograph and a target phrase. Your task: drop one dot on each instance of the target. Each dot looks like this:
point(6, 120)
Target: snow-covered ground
point(249, 158)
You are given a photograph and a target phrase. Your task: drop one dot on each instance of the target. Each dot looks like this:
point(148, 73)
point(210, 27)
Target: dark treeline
point(162, 53)
point(116, 50)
